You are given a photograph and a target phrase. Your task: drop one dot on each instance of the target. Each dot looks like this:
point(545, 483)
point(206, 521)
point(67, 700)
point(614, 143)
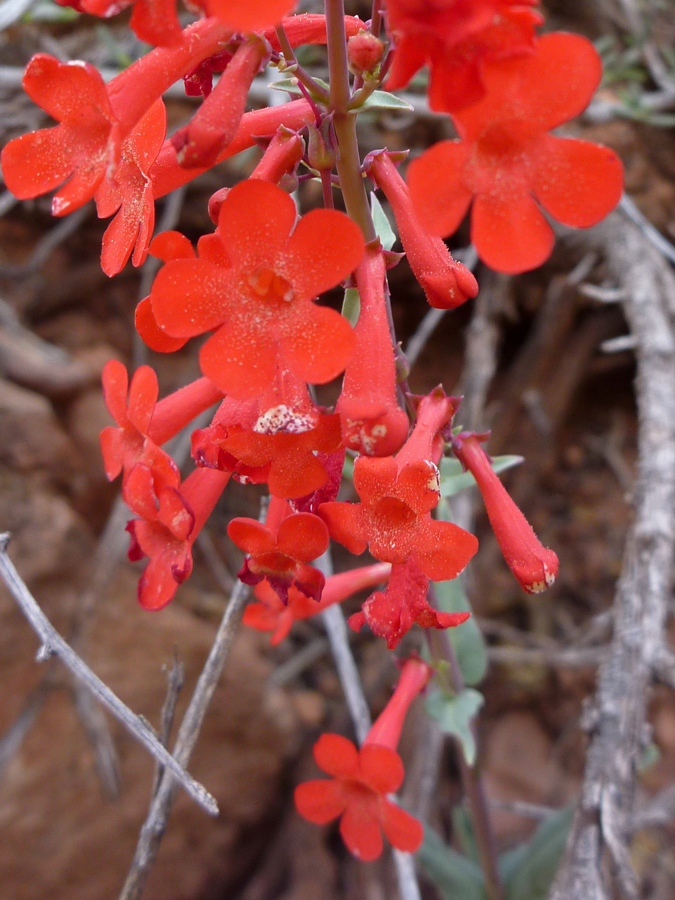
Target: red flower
point(128, 444)
point(215, 123)
point(280, 550)
point(393, 518)
point(282, 439)
point(94, 120)
point(535, 567)
point(130, 192)
point(445, 282)
point(507, 161)
point(81, 148)
point(262, 304)
point(455, 38)
point(358, 794)
point(373, 422)
point(363, 778)
point(270, 613)
point(392, 613)
point(167, 536)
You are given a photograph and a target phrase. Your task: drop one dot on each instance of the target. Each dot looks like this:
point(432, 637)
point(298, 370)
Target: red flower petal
point(324, 249)
point(63, 89)
point(151, 333)
point(360, 829)
point(156, 22)
point(402, 830)
point(336, 756)
point(251, 536)
point(115, 387)
point(375, 478)
point(238, 366)
point(437, 188)
point(255, 221)
point(36, 163)
point(143, 394)
point(381, 768)
point(578, 183)
point(318, 344)
point(510, 235)
point(443, 550)
point(320, 801)
point(156, 586)
point(345, 524)
point(189, 297)
point(171, 245)
point(303, 536)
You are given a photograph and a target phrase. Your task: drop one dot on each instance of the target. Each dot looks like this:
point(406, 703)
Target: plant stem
point(348, 163)
point(442, 650)
point(297, 70)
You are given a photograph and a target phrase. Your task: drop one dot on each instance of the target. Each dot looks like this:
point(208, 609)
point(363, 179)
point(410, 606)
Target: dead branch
point(602, 821)
point(54, 645)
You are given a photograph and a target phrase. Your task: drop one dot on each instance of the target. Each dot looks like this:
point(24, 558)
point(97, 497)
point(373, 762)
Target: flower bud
point(535, 567)
point(364, 52)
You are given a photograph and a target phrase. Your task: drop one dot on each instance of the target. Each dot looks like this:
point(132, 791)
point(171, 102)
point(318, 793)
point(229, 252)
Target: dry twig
point(53, 644)
point(617, 722)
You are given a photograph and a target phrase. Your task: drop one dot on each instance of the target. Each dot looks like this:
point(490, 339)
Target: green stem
point(348, 163)
point(294, 67)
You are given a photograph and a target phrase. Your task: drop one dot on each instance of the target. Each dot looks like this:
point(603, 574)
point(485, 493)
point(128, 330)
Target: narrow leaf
point(456, 877)
point(534, 876)
point(455, 714)
point(385, 232)
point(454, 480)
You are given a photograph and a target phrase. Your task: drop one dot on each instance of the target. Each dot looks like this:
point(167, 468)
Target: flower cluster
point(249, 292)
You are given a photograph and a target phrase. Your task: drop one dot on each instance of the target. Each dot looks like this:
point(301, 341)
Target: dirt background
point(557, 398)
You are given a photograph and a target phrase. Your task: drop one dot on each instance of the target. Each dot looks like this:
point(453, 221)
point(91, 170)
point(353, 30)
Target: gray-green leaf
point(456, 877)
point(533, 876)
point(385, 232)
point(455, 714)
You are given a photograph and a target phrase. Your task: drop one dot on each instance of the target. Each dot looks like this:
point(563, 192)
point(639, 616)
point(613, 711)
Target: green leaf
point(290, 86)
point(536, 870)
point(384, 100)
point(455, 714)
point(351, 306)
point(456, 877)
point(454, 480)
point(467, 640)
point(385, 232)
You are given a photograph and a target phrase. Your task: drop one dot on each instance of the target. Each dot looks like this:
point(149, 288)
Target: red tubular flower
point(455, 38)
point(168, 536)
point(215, 124)
point(84, 145)
point(393, 518)
point(535, 567)
point(280, 550)
point(280, 158)
point(507, 160)
point(130, 192)
point(363, 778)
point(434, 416)
point(94, 120)
point(445, 282)
point(261, 305)
point(281, 439)
point(391, 613)
point(270, 613)
point(167, 175)
point(372, 421)
point(129, 444)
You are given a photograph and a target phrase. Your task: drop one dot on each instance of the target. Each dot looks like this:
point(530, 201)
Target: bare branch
point(54, 645)
point(603, 818)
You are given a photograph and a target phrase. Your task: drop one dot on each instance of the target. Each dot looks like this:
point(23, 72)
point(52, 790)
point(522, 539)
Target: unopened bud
point(364, 52)
point(321, 146)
